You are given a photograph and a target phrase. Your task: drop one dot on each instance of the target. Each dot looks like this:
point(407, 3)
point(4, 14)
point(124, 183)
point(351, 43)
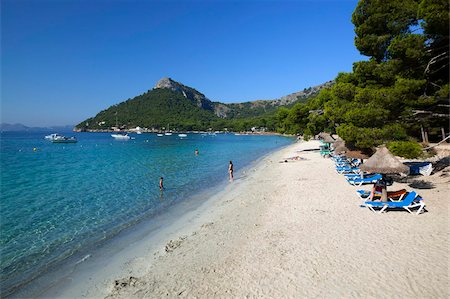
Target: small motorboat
point(160, 135)
point(53, 136)
point(168, 133)
point(120, 136)
point(182, 135)
point(63, 139)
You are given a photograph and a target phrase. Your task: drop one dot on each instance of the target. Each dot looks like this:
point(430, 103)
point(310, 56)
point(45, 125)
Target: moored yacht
point(120, 136)
point(64, 139)
point(53, 136)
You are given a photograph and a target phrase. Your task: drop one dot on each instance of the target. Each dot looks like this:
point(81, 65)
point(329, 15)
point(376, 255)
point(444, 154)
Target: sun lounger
point(351, 176)
point(347, 169)
point(367, 180)
point(411, 201)
point(391, 195)
point(342, 164)
point(347, 162)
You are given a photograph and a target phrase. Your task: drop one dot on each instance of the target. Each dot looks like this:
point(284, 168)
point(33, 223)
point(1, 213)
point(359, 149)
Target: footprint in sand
point(172, 245)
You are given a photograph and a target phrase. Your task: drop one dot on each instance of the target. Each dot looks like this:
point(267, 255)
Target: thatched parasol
point(356, 154)
point(340, 149)
point(338, 142)
point(385, 163)
point(326, 137)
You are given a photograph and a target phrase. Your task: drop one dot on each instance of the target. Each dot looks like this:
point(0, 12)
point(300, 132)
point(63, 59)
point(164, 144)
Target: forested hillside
point(154, 109)
point(179, 107)
point(401, 93)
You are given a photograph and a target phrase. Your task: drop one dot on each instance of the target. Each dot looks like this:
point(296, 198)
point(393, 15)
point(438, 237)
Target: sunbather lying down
point(391, 195)
point(295, 158)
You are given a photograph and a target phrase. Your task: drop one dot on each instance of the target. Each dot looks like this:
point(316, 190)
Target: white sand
point(295, 230)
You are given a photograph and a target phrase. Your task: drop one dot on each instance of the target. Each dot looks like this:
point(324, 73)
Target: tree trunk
point(423, 134)
point(443, 133)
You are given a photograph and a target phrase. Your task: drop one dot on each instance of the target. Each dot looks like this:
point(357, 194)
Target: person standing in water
point(230, 171)
point(161, 185)
point(196, 152)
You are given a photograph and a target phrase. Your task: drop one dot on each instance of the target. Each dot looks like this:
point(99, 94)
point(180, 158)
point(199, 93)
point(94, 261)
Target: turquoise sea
point(57, 200)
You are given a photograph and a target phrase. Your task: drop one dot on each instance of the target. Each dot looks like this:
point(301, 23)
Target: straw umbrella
point(326, 138)
point(340, 149)
point(356, 155)
point(384, 162)
point(338, 142)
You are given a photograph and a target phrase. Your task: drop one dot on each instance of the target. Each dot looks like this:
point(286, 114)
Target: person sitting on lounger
point(377, 189)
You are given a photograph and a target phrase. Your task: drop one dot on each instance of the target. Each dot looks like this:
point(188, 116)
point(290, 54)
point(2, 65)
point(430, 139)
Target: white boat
point(168, 133)
point(160, 135)
point(182, 135)
point(120, 136)
point(53, 136)
point(139, 132)
point(63, 139)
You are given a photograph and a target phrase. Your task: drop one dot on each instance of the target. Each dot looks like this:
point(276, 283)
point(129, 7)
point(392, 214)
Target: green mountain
point(172, 104)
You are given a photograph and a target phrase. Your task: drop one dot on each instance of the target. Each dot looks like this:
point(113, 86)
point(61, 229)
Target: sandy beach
point(290, 230)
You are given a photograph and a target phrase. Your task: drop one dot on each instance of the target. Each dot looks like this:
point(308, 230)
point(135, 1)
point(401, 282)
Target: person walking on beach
point(230, 170)
point(161, 185)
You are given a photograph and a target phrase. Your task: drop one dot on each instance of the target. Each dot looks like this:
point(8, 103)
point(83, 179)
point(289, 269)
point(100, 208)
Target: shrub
point(406, 149)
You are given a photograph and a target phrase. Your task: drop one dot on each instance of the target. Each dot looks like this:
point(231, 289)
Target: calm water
point(62, 198)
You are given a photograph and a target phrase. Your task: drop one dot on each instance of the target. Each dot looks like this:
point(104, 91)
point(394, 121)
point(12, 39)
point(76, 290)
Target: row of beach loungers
point(349, 168)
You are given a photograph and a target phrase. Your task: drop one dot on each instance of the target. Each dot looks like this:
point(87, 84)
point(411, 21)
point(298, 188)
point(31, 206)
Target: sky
point(63, 61)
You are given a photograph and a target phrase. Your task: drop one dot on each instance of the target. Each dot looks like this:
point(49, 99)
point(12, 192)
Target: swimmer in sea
point(230, 170)
point(161, 185)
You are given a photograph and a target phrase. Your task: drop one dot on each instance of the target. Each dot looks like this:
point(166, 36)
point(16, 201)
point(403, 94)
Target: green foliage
point(378, 101)
point(435, 15)
point(363, 138)
point(377, 22)
point(394, 131)
point(157, 108)
point(443, 92)
point(162, 108)
point(406, 74)
point(406, 149)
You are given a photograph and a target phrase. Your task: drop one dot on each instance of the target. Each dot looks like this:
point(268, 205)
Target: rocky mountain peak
point(198, 98)
point(169, 84)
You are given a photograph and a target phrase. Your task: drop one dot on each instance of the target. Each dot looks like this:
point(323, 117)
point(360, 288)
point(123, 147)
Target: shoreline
point(291, 229)
point(269, 133)
point(295, 230)
point(81, 271)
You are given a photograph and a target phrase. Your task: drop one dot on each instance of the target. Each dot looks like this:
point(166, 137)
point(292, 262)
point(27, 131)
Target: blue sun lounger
point(347, 169)
point(392, 195)
point(352, 176)
point(367, 180)
point(411, 201)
